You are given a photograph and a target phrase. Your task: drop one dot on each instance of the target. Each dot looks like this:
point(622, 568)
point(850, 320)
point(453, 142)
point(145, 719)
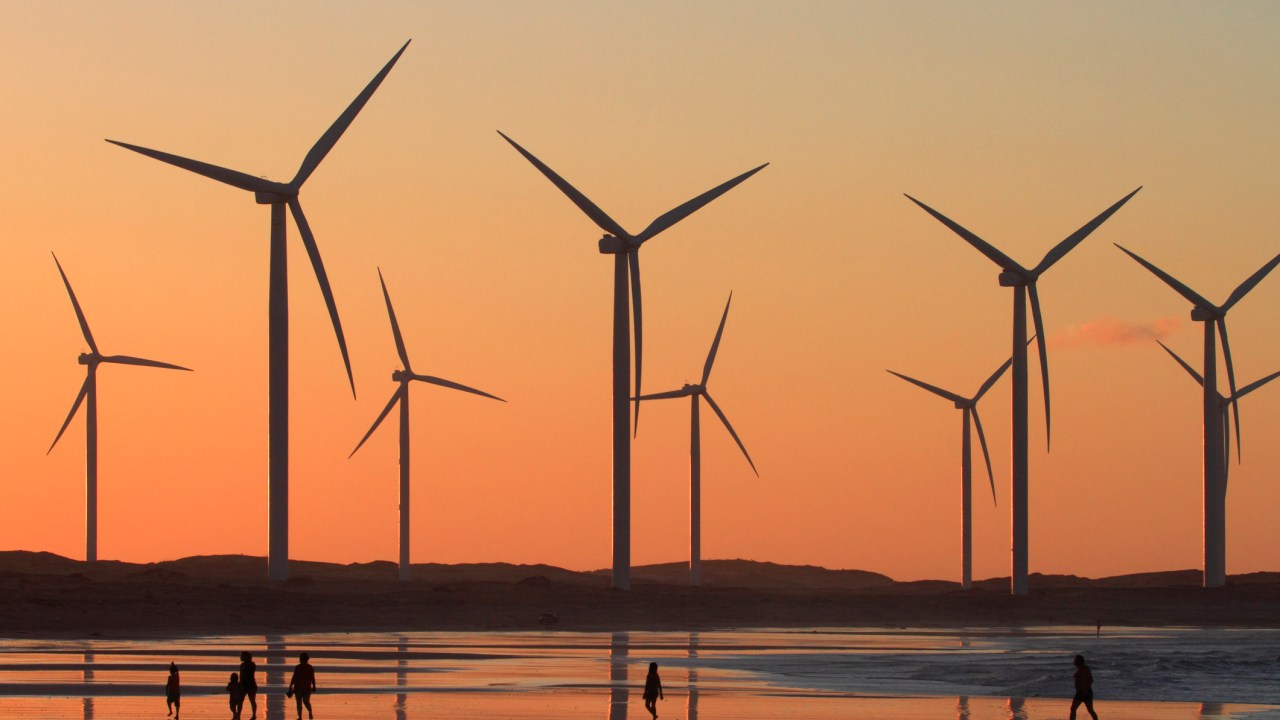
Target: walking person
point(173, 692)
point(235, 695)
point(249, 683)
point(652, 690)
point(302, 684)
point(1084, 689)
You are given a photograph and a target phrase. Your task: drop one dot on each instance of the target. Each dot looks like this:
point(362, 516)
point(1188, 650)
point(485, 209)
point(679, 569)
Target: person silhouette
point(302, 684)
point(1084, 689)
point(652, 690)
point(173, 692)
point(235, 695)
point(248, 682)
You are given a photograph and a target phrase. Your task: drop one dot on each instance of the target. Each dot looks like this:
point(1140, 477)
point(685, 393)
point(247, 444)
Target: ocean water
point(973, 674)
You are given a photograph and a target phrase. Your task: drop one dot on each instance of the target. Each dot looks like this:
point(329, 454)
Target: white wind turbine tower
point(1023, 281)
point(401, 396)
point(88, 395)
point(1223, 404)
point(694, 392)
point(1214, 318)
point(970, 407)
point(625, 249)
point(279, 195)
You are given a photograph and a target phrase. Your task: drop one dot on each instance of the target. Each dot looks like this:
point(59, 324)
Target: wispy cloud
point(1113, 332)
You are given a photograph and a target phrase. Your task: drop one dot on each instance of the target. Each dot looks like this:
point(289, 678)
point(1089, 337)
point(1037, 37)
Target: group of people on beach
point(244, 686)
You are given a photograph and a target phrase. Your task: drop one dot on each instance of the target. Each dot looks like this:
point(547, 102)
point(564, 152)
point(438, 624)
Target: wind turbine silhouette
point(1023, 281)
point(694, 392)
point(1223, 404)
point(970, 407)
point(88, 395)
point(401, 396)
point(278, 196)
point(625, 249)
point(1214, 318)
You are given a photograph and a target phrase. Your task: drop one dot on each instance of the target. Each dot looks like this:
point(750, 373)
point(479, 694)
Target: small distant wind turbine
point(1223, 404)
point(1214, 318)
point(89, 396)
point(970, 408)
point(401, 395)
point(1023, 281)
point(693, 392)
point(279, 195)
point(625, 249)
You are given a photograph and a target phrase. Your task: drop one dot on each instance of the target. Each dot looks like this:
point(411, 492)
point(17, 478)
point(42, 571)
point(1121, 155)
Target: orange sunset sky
point(1019, 120)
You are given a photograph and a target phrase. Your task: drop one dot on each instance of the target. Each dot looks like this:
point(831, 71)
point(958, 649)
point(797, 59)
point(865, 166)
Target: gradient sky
point(1020, 121)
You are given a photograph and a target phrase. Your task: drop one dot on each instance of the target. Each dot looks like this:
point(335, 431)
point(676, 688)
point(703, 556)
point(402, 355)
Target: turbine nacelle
point(1014, 278)
point(402, 376)
point(283, 195)
point(695, 389)
point(1203, 314)
point(89, 359)
point(612, 245)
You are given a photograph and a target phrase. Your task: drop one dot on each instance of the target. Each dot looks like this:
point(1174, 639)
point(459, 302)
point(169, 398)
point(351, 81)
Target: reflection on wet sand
point(618, 692)
point(402, 679)
point(691, 711)
point(88, 680)
point(1017, 708)
point(962, 708)
point(275, 677)
point(1210, 710)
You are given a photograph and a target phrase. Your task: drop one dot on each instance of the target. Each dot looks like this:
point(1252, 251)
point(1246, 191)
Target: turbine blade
point(1190, 370)
point(127, 360)
point(395, 326)
point(986, 455)
point(309, 241)
point(729, 427)
point(931, 388)
point(715, 344)
point(1171, 281)
point(681, 212)
point(664, 395)
point(592, 210)
point(235, 178)
point(395, 398)
point(1078, 236)
point(84, 324)
point(1226, 450)
point(995, 376)
point(1247, 285)
point(455, 386)
point(1231, 377)
point(1254, 386)
point(633, 262)
point(339, 126)
point(1044, 355)
point(982, 246)
point(84, 390)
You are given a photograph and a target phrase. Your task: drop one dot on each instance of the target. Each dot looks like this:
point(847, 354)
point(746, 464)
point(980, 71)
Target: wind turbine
point(1023, 281)
point(279, 195)
point(88, 395)
point(625, 249)
point(1223, 404)
point(970, 407)
point(1214, 318)
point(694, 392)
point(401, 396)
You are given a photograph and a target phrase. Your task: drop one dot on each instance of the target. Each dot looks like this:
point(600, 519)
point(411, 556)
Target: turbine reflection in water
point(88, 681)
point(1017, 709)
point(402, 665)
point(962, 708)
point(691, 711)
point(275, 682)
point(618, 690)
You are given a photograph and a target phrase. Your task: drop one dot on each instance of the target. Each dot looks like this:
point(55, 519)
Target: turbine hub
point(612, 245)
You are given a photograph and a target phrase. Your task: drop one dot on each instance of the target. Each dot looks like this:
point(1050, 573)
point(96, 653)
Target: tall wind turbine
point(1023, 281)
point(89, 396)
point(694, 392)
point(279, 195)
point(970, 407)
point(1214, 318)
point(401, 396)
point(625, 249)
point(1225, 419)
